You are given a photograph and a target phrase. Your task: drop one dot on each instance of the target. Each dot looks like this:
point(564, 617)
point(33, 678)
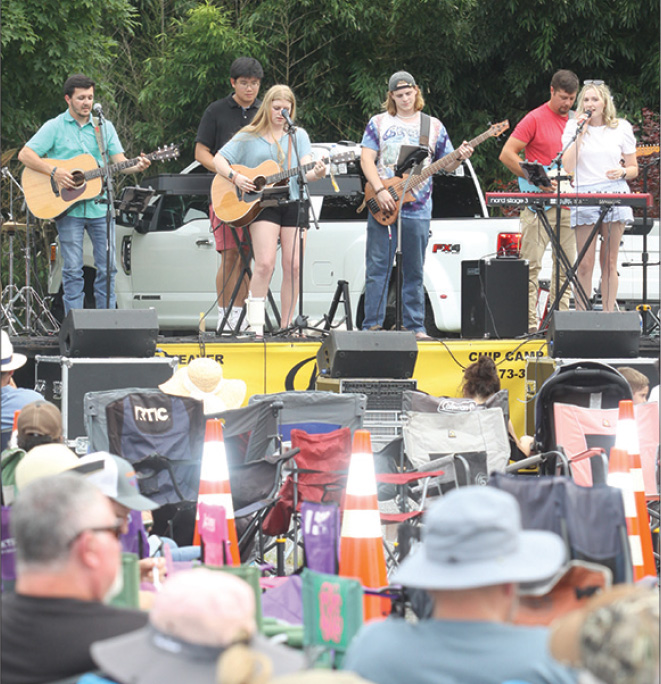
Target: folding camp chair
point(590, 384)
point(589, 519)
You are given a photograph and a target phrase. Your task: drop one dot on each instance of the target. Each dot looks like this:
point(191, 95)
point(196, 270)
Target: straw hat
point(203, 379)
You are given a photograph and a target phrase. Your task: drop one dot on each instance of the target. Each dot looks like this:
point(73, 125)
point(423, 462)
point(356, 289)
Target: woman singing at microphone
point(266, 138)
point(595, 157)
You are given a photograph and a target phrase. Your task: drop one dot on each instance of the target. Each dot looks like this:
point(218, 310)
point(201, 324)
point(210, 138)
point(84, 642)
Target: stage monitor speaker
point(106, 333)
point(368, 354)
point(594, 334)
point(494, 298)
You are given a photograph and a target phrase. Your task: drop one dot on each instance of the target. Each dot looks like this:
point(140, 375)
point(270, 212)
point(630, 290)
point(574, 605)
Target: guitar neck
point(445, 161)
point(103, 171)
point(288, 173)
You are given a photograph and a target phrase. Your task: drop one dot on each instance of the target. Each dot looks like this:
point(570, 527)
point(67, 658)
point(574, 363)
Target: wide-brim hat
point(203, 379)
point(9, 360)
point(472, 538)
point(195, 617)
point(615, 635)
point(116, 478)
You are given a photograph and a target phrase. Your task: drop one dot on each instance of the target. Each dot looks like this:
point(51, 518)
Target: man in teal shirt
point(68, 135)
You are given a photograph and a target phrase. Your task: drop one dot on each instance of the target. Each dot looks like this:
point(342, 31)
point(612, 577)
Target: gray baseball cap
point(399, 80)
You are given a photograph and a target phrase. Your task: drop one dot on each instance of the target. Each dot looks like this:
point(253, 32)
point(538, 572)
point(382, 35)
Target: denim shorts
point(581, 216)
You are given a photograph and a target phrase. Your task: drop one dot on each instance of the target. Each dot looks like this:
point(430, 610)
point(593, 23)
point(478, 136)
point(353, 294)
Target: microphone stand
point(110, 200)
point(301, 321)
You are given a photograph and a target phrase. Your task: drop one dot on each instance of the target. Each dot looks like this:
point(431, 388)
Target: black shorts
point(287, 215)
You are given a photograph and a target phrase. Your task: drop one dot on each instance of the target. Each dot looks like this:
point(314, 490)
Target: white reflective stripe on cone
point(214, 463)
point(361, 480)
point(636, 550)
point(361, 524)
point(637, 479)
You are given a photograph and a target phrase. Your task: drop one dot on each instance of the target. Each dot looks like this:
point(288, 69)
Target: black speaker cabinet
point(594, 334)
point(102, 333)
point(368, 354)
point(494, 298)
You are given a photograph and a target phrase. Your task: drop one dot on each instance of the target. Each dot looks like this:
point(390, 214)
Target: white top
point(601, 150)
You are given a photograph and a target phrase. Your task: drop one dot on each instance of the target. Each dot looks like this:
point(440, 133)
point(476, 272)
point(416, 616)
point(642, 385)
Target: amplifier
point(65, 381)
point(382, 394)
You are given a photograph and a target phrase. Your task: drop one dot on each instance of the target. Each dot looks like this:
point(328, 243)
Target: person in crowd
point(473, 555)
point(266, 138)
point(615, 637)
point(220, 121)
point(68, 135)
point(400, 124)
point(481, 382)
point(68, 567)
point(197, 615)
point(639, 383)
point(539, 136)
point(39, 423)
point(12, 398)
point(602, 158)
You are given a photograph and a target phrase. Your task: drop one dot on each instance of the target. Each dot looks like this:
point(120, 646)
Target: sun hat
point(399, 80)
point(195, 617)
point(615, 636)
point(116, 478)
point(42, 461)
point(472, 538)
point(9, 361)
point(40, 418)
point(203, 379)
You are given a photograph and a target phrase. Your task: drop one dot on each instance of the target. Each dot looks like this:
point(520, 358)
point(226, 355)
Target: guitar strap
point(423, 141)
point(99, 140)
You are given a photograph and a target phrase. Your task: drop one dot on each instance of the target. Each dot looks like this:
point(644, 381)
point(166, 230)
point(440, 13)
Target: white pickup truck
point(166, 257)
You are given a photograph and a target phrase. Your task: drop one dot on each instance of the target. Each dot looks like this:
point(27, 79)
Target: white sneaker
point(233, 320)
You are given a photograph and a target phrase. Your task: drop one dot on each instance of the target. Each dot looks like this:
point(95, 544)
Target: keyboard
point(591, 199)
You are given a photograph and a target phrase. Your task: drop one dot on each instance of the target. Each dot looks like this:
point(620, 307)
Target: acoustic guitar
point(238, 208)
point(46, 199)
point(395, 186)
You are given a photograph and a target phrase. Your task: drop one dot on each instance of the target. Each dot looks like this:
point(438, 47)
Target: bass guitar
point(238, 208)
point(395, 186)
point(46, 199)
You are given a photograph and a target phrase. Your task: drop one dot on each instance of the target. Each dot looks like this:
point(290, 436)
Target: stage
point(277, 365)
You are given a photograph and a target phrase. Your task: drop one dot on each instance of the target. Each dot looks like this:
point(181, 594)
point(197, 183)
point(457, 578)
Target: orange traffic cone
point(361, 545)
point(626, 438)
point(13, 439)
point(619, 476)
point(215, 483)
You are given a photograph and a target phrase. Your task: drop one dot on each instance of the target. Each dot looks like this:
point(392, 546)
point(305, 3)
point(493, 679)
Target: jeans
point(379, 256)
point(71, 230)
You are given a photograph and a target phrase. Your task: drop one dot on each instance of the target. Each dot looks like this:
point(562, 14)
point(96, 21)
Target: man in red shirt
point(539, 134)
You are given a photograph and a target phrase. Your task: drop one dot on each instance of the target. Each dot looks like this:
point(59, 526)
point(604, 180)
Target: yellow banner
point(280, 366)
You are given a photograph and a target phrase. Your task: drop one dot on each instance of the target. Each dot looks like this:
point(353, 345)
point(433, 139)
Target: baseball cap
point(40, 418)
point(116, 478)
point(399, 80)
point(196, 616)
point(42, 461)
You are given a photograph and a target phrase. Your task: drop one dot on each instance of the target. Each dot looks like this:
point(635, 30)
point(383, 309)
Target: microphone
point(98, 109)
point(287, 118)
point(588, 114)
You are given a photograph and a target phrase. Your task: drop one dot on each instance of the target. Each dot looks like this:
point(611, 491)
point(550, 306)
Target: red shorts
point(223, 233)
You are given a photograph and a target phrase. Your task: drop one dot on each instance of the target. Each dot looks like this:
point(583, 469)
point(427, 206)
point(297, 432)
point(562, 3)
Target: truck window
point(455, 197)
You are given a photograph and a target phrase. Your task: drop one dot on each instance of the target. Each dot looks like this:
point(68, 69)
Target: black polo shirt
point(221, 120)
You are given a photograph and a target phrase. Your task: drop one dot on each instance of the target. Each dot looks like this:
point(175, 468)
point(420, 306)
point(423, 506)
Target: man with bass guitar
point(403, 123)
point(539, 133)
point(68, 135)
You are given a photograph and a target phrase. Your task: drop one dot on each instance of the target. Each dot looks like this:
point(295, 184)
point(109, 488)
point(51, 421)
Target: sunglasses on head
point(594, 82)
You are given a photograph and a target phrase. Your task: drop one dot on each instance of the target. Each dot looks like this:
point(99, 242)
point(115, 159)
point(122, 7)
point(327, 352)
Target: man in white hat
point(12, 398)
point(472, 557)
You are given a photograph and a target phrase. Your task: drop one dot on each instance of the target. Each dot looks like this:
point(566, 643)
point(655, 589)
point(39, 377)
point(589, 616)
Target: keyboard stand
point(246, 257)
point(570, 269)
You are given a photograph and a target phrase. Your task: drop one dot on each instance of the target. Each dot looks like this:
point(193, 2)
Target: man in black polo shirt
point(221, 120)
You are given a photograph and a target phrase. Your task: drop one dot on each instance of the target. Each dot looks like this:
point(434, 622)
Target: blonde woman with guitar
point(262, 142)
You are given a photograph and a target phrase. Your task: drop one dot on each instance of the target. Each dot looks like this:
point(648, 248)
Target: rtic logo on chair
point(150, 415)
